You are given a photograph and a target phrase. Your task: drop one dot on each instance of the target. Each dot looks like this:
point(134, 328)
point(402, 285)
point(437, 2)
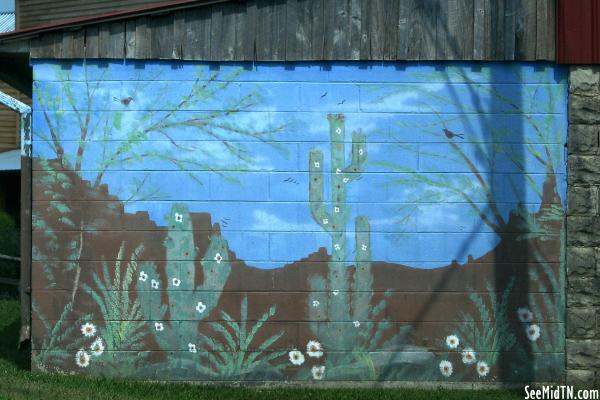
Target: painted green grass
point(16, 382)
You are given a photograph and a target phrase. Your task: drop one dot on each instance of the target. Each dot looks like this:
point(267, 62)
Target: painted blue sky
point(248, 166)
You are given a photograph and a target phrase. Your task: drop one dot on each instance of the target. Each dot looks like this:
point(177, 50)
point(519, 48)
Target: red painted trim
point(109, 16)
point(578, 32)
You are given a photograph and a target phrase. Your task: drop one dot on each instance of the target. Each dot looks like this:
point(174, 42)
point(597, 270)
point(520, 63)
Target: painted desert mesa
point(299, 222)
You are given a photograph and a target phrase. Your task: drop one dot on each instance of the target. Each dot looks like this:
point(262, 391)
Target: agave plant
point(60, 339)
point(233, 357)
point(123, 329)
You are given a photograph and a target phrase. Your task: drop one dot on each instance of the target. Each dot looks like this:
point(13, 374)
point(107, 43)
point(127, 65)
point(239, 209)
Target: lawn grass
point(16, 382)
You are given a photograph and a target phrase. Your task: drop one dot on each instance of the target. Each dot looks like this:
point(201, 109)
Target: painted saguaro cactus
point(331, 298)
point(187, 302)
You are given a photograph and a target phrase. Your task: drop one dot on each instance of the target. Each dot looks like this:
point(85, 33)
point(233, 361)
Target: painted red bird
point(449, 134)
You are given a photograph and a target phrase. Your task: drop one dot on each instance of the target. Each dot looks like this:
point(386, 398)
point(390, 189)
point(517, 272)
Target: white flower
point(363, 247)
point(336, 246)
point(318, 372)
point(218, 258)
point(159, 326)
point(314, 349)
point(345, 180)
point(452, 341)
point(524, 314)
point(356, 324)
point(296, 357)
point(533, 332)
point(360, 152)
point(446, 368)
point(82, 358)
point(325, 221)
point(482, 368)
point(200, 307)
point(336, 209)
point(178, 217)
point(143, 276)
point(176, 282)
point(468, 356)
point(192, 348)
point(338, 130)
point(336, 292)
point(316, 303)
point(317, 164)
point(97, 347)
point(155, 284)
point(88, 329)
point(338, 171)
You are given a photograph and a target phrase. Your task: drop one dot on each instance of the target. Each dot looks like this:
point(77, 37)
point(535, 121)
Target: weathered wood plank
point(496, 49)
point(422, 33)
point(130, 38)
point(264, 19)
point(248, 52)
point(328, 28)
point(481, 23)
point(116, 47)
point(196, 45)
point(228, 12)
point(454, 30)
point(79, 43)
point(178, 34)
point(216, 37)
point(341, 30)
point(317, 24)
point(161, 38)
point(142, 38)
point(545, 30)
point(103, 40)
point(404, 22)
point(390, 29)
point(365, 34)
point(278, 31)
point(377, 28)
point(510, 28)
point(91, 41)
point(67, 45)
point(303, 39)
point(242, 17)
point(355, 29)
point(551, 30)
point(525, 30)
point(291, 30)
point(36, 47)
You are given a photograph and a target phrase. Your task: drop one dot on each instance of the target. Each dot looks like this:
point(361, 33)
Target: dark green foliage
point(61, 340)
point(9, 245)
point(123, 329)
point(232, 357)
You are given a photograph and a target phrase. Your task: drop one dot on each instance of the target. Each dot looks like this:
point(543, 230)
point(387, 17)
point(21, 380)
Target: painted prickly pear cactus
point(187, 300)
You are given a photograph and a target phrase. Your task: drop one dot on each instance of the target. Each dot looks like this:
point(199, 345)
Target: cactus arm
point(316, 190)
point(359, 157)
point(363, 279)
point(216, 269)
point(150, 302)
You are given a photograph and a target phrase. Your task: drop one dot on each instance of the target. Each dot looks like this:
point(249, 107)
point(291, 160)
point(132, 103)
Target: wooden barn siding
point(38, 12)
point(9, 120)
point(275, 30)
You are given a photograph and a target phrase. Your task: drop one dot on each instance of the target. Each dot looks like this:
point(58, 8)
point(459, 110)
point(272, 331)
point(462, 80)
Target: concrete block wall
point(583, 228)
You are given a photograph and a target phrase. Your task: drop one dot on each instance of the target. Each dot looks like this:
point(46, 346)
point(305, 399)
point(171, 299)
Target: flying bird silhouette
point(449, 134)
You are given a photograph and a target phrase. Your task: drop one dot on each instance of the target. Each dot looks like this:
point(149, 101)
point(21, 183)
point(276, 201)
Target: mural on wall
point(276, 222)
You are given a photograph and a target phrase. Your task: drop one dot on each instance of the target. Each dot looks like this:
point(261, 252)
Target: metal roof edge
point(106, 17)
